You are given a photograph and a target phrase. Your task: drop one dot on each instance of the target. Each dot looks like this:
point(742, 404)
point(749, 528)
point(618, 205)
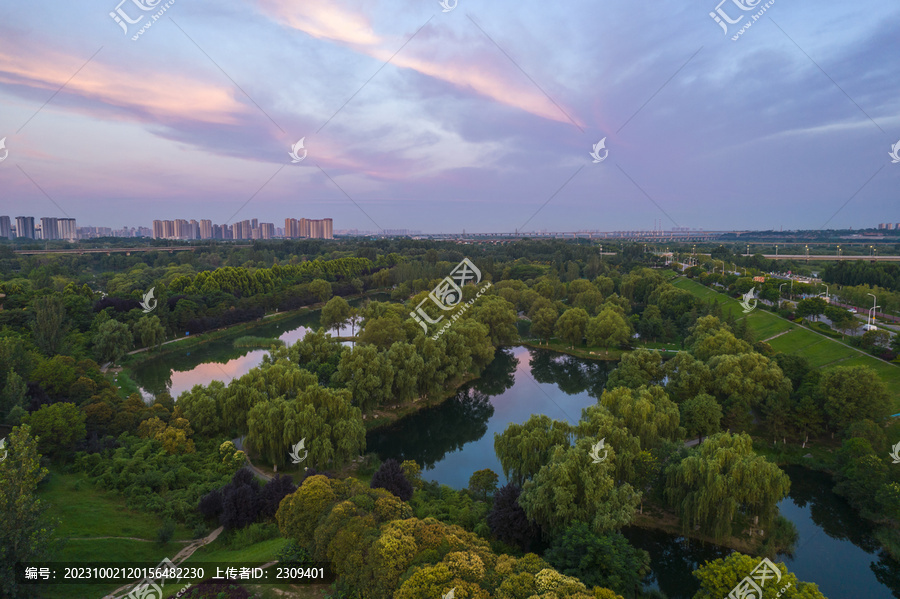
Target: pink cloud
point(162, 96)
point(502, 83)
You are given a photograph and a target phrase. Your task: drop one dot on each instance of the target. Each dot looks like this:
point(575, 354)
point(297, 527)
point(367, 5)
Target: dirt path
point(119, 538)
point(778, 335)
point(121, 592)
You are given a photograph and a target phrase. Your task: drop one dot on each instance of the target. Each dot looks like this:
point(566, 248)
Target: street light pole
point(872, 312)
point(779, 289)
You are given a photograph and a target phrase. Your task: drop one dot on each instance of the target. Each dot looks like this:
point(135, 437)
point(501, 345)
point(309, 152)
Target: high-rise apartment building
point(25, 227)
point(66, 229)
point(308, 228)
point(48, 228)
point(206, 229)
point(5, 227)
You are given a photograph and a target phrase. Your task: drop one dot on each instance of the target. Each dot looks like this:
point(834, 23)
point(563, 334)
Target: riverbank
point(138, 356)
point(599, 353)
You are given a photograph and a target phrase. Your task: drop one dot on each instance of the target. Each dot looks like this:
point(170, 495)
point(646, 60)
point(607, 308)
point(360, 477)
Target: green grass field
point(86, 511)
point(821, 351)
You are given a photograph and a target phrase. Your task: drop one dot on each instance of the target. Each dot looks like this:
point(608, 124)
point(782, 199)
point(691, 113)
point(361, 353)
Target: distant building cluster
point(889, 226)
point(245, 229)
point(48, 228)
point(308, 228)
point(388, 232)
point(94, 232)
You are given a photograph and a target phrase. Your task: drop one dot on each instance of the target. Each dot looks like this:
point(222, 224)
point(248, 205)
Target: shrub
point(391, 478)
point(166, 531)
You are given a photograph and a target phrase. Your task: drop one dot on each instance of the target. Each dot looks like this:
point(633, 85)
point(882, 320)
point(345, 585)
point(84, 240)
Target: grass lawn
point(821, 351)
point(87, 511)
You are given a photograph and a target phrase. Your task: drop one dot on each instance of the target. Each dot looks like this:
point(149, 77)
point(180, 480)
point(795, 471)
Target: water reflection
point(456, 438)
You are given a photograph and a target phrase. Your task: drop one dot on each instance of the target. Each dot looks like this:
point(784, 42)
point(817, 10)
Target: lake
point(835, 549)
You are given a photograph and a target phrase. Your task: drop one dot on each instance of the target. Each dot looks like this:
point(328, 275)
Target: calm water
point(179, 371)
point(835, 548)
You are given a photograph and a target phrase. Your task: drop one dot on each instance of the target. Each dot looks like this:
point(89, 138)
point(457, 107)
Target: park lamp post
point(779, 289)
point(872, 311)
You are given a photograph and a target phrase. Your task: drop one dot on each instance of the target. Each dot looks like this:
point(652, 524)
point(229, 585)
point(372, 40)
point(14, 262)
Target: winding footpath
point(121, 592)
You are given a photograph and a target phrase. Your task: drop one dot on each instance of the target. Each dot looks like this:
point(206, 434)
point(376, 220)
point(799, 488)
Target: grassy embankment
point(100, 528)
point(791, 338)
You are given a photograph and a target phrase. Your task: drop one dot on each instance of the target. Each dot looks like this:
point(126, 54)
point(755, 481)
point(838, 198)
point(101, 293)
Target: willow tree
point(647, 412)
point(722, 480)
point(571, 487)
point(523, 448)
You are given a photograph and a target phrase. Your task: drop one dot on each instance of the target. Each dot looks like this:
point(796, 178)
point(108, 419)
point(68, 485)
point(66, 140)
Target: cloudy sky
point(480, 118)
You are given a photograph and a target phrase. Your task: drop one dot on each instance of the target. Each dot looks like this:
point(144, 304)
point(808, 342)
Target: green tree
point(335, 313)
point(688, 377)
point(112, 340)
point(840, 318)
point(742, 382)
point(571, 325)
point(570, 488)
point(608, 328)
point(544, 323)
point(499, 316)
point(49, 325)
point(320, 289)
point(483, 484)
point(701, 415)
point(723, 484)
point(57, 427)
point(607, 561)
point(647, 412)
point(149, 331)
point(383, 332)
point(719, 577)
point(25, 534)
point(811, 306)
point(523, 448)
point(637, 368)
point(853, 393)
point(12, 394)
point(367, 374)
point(406, 365)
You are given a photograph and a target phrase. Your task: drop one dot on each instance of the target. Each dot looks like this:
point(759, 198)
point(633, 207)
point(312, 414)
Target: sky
point(471, 115)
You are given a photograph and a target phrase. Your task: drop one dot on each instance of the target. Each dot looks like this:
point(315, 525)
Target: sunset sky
point(442, 121)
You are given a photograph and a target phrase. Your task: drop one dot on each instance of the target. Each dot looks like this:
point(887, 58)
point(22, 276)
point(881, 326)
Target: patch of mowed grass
point(765, 324)
point(84, 510)
point(824, 353)
point(797, 340)
point(820, 350)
